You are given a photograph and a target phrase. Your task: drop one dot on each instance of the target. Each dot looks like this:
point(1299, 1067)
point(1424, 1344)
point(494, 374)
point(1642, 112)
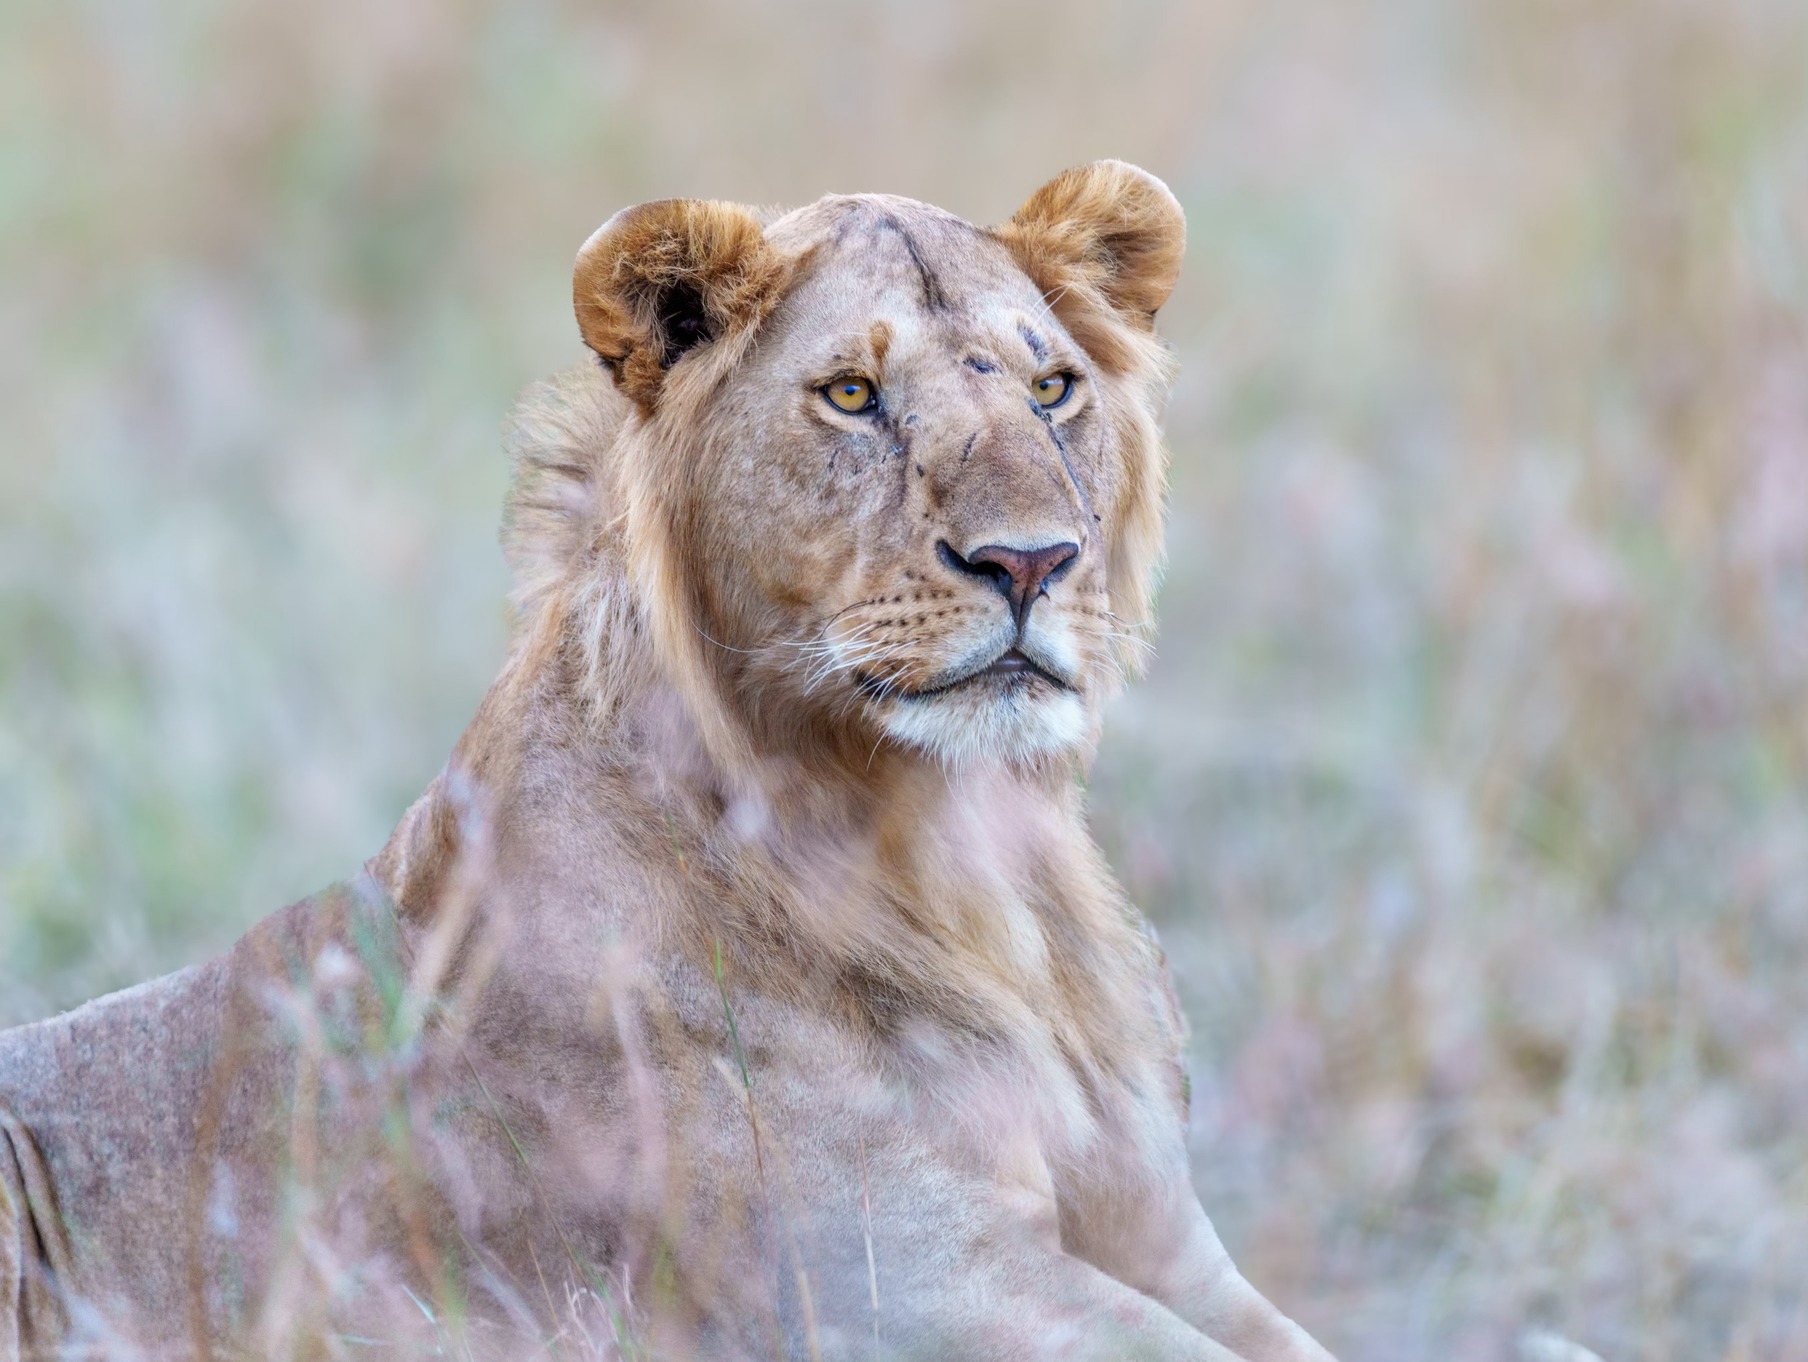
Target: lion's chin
point(1007, 725)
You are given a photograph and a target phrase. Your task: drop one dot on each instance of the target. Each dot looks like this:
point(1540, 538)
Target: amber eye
point(851, 395)
point(1052, 391)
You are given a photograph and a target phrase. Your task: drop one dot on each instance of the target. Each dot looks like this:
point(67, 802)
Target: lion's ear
point(1106, 233)
point(656, 281)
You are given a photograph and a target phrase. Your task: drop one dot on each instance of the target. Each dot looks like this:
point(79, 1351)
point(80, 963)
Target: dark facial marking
point(933, 297)
point(1054, 435)
point(898, 437)
point(980, 366)
point(1037, 346)
point(861, 452)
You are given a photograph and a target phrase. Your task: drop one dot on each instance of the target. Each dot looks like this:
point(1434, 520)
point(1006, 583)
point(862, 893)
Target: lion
point(748, 983)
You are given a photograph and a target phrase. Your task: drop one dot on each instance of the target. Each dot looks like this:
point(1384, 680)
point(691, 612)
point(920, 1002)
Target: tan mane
point(568, 540)
point(603, 578)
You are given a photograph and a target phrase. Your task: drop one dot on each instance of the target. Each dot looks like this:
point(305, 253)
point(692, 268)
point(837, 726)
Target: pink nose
point(1021, 576)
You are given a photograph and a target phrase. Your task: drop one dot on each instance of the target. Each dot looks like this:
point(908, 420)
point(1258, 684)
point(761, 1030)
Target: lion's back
point(127, 1121)
point(99, 1107)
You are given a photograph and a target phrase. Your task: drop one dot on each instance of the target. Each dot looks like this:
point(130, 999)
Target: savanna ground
point(1470, 788)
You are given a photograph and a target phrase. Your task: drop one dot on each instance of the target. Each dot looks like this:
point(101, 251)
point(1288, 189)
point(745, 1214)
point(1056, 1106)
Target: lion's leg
point(33, 1256)
point(968, 1264)
point(882, 1241)
point(1204, 1288)
point(1045, 1305)
point(1157, 1237)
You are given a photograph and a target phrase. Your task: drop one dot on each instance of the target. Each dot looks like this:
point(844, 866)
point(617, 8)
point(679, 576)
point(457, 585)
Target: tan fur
point(749, 975)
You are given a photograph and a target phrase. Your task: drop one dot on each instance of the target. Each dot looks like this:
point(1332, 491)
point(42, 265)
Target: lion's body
point(743, 968)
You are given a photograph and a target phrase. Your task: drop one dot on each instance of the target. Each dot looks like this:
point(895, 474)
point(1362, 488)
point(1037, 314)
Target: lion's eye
point(851, 395)
point(1052, 391)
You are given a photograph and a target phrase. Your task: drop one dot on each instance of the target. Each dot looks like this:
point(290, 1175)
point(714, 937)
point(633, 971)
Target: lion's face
point(905, 492)
point(907, 517)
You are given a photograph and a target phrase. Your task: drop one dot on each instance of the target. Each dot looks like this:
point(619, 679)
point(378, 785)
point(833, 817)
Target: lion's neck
point(647, 762)
point(817, 799)
point(977, 894)
point(829, 826)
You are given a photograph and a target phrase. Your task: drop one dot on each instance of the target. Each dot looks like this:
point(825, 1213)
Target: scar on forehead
point(934, 298)
point(880, 341)
point(1038, 347)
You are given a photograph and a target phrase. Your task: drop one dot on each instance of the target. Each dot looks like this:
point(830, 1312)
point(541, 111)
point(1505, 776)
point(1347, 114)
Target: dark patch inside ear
point(683, 324)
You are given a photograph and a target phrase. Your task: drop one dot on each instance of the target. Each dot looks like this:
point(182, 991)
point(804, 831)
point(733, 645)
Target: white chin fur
point(959, 730)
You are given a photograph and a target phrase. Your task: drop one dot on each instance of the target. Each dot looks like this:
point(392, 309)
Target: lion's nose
point(1019, 575)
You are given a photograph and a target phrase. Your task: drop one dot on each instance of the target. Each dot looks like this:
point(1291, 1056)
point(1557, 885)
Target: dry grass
point(1471, 788)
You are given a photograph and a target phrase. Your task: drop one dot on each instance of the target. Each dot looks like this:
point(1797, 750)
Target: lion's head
point(883, 473)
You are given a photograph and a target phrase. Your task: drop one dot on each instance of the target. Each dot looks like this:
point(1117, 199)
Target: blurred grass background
point(1470, 790)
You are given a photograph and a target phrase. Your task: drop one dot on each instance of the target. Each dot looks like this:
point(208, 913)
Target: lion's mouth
point(1012, 667)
